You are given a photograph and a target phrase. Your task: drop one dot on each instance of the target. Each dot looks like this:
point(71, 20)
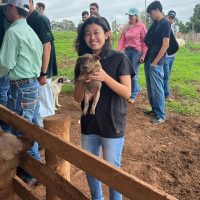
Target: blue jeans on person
point(24, 101)
point(112, 151)
point(155, 89)
point(167, 67)
point(134, 56)
point(4, 87)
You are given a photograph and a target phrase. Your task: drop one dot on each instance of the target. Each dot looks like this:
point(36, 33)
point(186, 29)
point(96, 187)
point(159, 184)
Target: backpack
point(173, 45)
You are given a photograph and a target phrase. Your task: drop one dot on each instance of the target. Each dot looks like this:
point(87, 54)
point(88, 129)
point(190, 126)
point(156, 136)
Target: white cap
point(23, 4)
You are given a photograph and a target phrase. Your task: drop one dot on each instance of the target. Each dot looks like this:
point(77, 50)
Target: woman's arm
point(121, 42)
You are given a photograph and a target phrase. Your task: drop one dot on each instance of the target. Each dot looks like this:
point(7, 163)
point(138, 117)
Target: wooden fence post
point(59, 125)
point(9, 160)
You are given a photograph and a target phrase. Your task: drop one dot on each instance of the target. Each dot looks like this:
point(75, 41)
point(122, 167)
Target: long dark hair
point(80, 44)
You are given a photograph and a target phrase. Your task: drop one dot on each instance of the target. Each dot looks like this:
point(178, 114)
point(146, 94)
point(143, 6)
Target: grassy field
point(184, 82)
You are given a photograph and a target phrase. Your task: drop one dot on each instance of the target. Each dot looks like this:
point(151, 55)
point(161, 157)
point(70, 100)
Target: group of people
point(29, 43)
point(119, 76)
point(141, 46)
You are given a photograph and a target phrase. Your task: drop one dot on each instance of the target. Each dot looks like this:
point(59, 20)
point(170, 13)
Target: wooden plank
point(21, 189)
point(115, 178)
point(54, 181)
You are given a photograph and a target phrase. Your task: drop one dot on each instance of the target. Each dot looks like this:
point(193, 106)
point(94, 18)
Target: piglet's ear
point(96, 57)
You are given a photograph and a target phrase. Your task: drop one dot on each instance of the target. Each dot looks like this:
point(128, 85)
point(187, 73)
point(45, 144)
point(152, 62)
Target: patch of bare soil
point(166, 155)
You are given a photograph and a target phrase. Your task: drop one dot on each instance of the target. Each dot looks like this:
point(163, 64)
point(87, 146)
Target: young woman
point(106, 128)
point(132, 41)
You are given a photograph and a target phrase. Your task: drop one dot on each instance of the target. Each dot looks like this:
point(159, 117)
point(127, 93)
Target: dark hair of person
point(80, 44)
point(85, 13)
point(153, 6)
point(21, 12)
point(95, 4)
point(40, 4)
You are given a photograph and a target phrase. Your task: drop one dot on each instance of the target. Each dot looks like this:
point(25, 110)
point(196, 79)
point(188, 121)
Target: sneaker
point(149, 112)
point(169, 99)
point(156, 120)
point(132, 101)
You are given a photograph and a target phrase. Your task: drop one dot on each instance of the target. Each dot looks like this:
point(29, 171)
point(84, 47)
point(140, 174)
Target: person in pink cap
point(132, 42)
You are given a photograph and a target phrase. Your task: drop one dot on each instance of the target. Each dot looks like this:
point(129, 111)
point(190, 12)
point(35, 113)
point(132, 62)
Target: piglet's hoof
point(92, 112)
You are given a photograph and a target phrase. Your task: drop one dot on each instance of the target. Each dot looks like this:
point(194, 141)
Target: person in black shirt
point(85, 16)
point(157, 41)
point(107, 126)
point(49, 66)
point(40, 6)
point(48, 69)
point(169, 60)
point(94, 11)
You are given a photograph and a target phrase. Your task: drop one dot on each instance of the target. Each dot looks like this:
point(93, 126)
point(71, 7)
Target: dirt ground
point(166, 155)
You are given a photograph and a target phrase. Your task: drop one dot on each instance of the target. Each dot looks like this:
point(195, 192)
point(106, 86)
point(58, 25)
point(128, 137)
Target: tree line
point(192, 25)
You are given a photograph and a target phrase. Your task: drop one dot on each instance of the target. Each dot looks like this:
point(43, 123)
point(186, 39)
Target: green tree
point(193, 24)
point(196, 19)
point(182, 27)
point(196, 14)
point(197, 26)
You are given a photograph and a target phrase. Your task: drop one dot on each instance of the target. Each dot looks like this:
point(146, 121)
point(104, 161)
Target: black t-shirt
point(39, 24)
point(47, 21)
point(79, 27)
point(110, 114)
point(154, 39)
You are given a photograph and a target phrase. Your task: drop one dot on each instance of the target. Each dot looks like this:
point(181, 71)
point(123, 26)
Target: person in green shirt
point(25, 51)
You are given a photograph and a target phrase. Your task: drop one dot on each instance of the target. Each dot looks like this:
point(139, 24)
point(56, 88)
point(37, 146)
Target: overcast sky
point(112, 9)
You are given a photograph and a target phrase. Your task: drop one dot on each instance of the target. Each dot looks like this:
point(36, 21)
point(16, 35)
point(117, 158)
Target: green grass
point(64, 43)
point(184, 80)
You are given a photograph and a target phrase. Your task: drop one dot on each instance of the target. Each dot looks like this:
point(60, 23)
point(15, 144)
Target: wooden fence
point(191, 37)
point(128, 185)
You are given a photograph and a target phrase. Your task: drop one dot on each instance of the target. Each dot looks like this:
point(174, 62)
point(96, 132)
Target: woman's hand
point(100, 75)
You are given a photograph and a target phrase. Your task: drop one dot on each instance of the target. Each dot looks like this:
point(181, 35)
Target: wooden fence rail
point(113, 177)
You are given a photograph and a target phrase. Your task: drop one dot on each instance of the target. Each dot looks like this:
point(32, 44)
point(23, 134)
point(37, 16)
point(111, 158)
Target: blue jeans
point(134, 57)
point(155, 91)
point(4, 87)
point(167, 67)
point(112, 150)
point(24, 101)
